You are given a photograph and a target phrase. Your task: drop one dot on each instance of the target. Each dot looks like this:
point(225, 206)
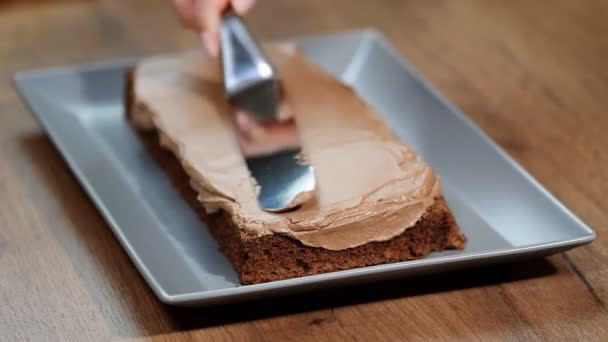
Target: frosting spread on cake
point(370, 185)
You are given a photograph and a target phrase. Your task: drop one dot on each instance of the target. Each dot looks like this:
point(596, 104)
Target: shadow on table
point(154, 318)
point(186, 319)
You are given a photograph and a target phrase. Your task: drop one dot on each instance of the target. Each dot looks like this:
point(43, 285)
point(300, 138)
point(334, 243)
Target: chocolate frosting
point(371, 186)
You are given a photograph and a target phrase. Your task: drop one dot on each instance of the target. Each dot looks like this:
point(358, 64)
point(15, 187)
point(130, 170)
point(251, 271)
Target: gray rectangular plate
point(505, 213)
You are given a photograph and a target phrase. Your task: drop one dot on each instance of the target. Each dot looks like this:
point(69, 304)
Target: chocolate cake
point(377, 201)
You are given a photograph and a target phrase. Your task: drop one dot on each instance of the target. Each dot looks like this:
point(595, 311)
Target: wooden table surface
point(532, 74)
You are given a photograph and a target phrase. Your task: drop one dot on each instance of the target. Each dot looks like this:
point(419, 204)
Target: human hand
point(256, 138)
point(204, 16)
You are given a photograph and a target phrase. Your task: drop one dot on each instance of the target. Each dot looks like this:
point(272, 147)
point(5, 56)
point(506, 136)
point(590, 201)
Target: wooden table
point(532, 74)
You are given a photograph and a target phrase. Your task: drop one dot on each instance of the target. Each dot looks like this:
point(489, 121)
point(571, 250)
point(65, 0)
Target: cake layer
point(273, 257)
point(371, 186)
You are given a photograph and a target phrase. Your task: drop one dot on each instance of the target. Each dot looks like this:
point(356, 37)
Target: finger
point(210, 43)
point(208, 14)
point(185, 12)
point(242, 6)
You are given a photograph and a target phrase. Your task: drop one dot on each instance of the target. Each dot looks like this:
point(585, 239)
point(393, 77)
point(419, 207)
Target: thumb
point(242, 6)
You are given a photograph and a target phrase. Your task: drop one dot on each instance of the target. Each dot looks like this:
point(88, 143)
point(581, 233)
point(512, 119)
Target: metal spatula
point(251, 84)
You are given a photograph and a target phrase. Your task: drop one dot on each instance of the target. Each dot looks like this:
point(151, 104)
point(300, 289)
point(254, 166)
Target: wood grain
point(532, 74)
